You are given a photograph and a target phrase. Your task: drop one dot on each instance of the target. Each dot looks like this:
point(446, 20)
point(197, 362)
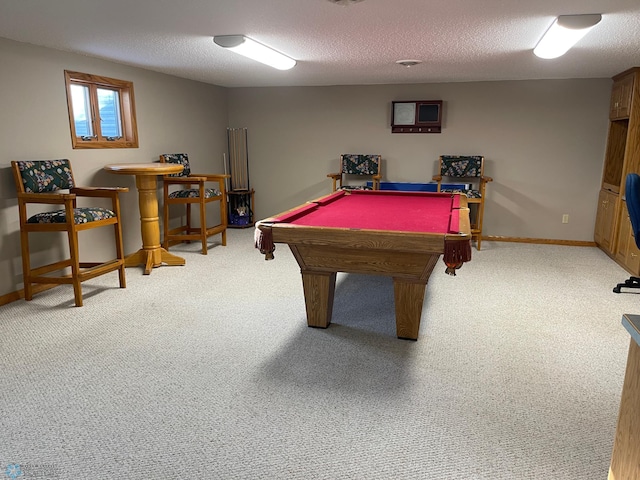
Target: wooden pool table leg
point(318, 297)
point(409, 297)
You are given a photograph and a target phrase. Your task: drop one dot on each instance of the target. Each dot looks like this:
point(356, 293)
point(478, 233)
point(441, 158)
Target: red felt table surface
point(381, 210)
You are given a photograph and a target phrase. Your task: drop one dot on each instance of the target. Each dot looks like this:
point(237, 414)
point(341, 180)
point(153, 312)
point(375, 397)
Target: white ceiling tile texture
point(358, 44)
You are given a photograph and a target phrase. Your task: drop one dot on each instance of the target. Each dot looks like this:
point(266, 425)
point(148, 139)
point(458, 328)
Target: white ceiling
point(457, 40)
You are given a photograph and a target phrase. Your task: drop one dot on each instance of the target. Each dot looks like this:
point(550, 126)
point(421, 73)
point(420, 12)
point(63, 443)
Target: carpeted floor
point(208, 371)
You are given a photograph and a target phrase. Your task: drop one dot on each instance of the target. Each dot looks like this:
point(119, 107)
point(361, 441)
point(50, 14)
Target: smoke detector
point(344, 3)
point(408, 63)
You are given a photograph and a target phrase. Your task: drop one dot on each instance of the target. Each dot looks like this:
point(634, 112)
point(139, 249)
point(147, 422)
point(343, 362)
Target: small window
point(101, 111)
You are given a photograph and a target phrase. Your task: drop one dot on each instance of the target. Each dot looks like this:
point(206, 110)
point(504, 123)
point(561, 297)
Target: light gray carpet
point(208, 371)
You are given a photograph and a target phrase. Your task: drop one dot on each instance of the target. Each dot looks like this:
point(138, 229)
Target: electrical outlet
point(565, 218)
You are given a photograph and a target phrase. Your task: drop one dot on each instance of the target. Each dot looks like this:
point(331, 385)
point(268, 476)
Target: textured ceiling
point(457, 40)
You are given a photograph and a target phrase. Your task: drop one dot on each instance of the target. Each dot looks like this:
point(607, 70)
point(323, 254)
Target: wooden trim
point(17, 295)
point(544, 241)
point(626, 72)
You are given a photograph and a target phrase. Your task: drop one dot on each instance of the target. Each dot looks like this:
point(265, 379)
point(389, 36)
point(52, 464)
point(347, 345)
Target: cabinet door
point(622, 250)
point(621, 94)
point(605, 220)
point(627, 252)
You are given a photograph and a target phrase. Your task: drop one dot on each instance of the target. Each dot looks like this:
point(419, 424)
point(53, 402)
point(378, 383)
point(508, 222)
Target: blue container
point(419, 187)
point(235, 219)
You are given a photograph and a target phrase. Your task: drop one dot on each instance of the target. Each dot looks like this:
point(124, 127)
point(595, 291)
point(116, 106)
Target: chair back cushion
point(460, 166)
point(40, 176)
point(179, 158)
point(632, 196)
point(358, 164)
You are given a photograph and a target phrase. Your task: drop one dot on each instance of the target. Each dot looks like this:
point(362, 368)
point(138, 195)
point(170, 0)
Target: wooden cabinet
point(627, 252)
point(622, 156)
point(605, 220)
point(621, 94)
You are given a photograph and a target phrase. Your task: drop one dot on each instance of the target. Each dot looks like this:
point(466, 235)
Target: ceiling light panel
point(255, 51)
point(564, 33)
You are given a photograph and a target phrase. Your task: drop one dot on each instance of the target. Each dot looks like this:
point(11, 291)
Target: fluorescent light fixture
point(254, 50)
point(564, 33)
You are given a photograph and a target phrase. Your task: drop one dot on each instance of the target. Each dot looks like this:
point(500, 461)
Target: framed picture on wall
point(416, 116)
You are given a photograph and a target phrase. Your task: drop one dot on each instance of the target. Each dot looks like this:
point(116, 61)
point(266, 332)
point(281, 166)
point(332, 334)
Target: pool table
point(392, 233)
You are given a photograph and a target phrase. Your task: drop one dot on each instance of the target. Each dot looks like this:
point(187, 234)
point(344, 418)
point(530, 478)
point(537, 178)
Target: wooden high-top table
point(151, 254)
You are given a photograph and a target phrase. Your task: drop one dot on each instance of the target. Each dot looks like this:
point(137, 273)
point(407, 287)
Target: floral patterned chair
point(467, 168)
point(50, 182)
point(357, 165)
point(186, 196)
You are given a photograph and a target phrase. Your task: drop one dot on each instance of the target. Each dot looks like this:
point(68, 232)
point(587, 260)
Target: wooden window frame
point(129, 137)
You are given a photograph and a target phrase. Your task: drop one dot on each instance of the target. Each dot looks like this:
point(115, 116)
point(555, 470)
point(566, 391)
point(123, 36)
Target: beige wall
point(543, 141)
point(174, 115)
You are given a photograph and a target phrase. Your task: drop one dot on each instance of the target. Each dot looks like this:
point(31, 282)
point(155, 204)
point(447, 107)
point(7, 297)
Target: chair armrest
point(334, 175)
point(486, 179)
point(51, 198)
point(437, 178)
point(211, 177)
point(183, 180)
point(106, 192)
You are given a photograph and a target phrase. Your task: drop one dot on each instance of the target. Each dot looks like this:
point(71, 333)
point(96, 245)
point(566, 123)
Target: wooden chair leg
point(26, 265)
point(223, 220)
point(75, 266)
point(165, 210)
point(188, 223)
point(480, 218)
point(120, 254)
point(203, 226)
